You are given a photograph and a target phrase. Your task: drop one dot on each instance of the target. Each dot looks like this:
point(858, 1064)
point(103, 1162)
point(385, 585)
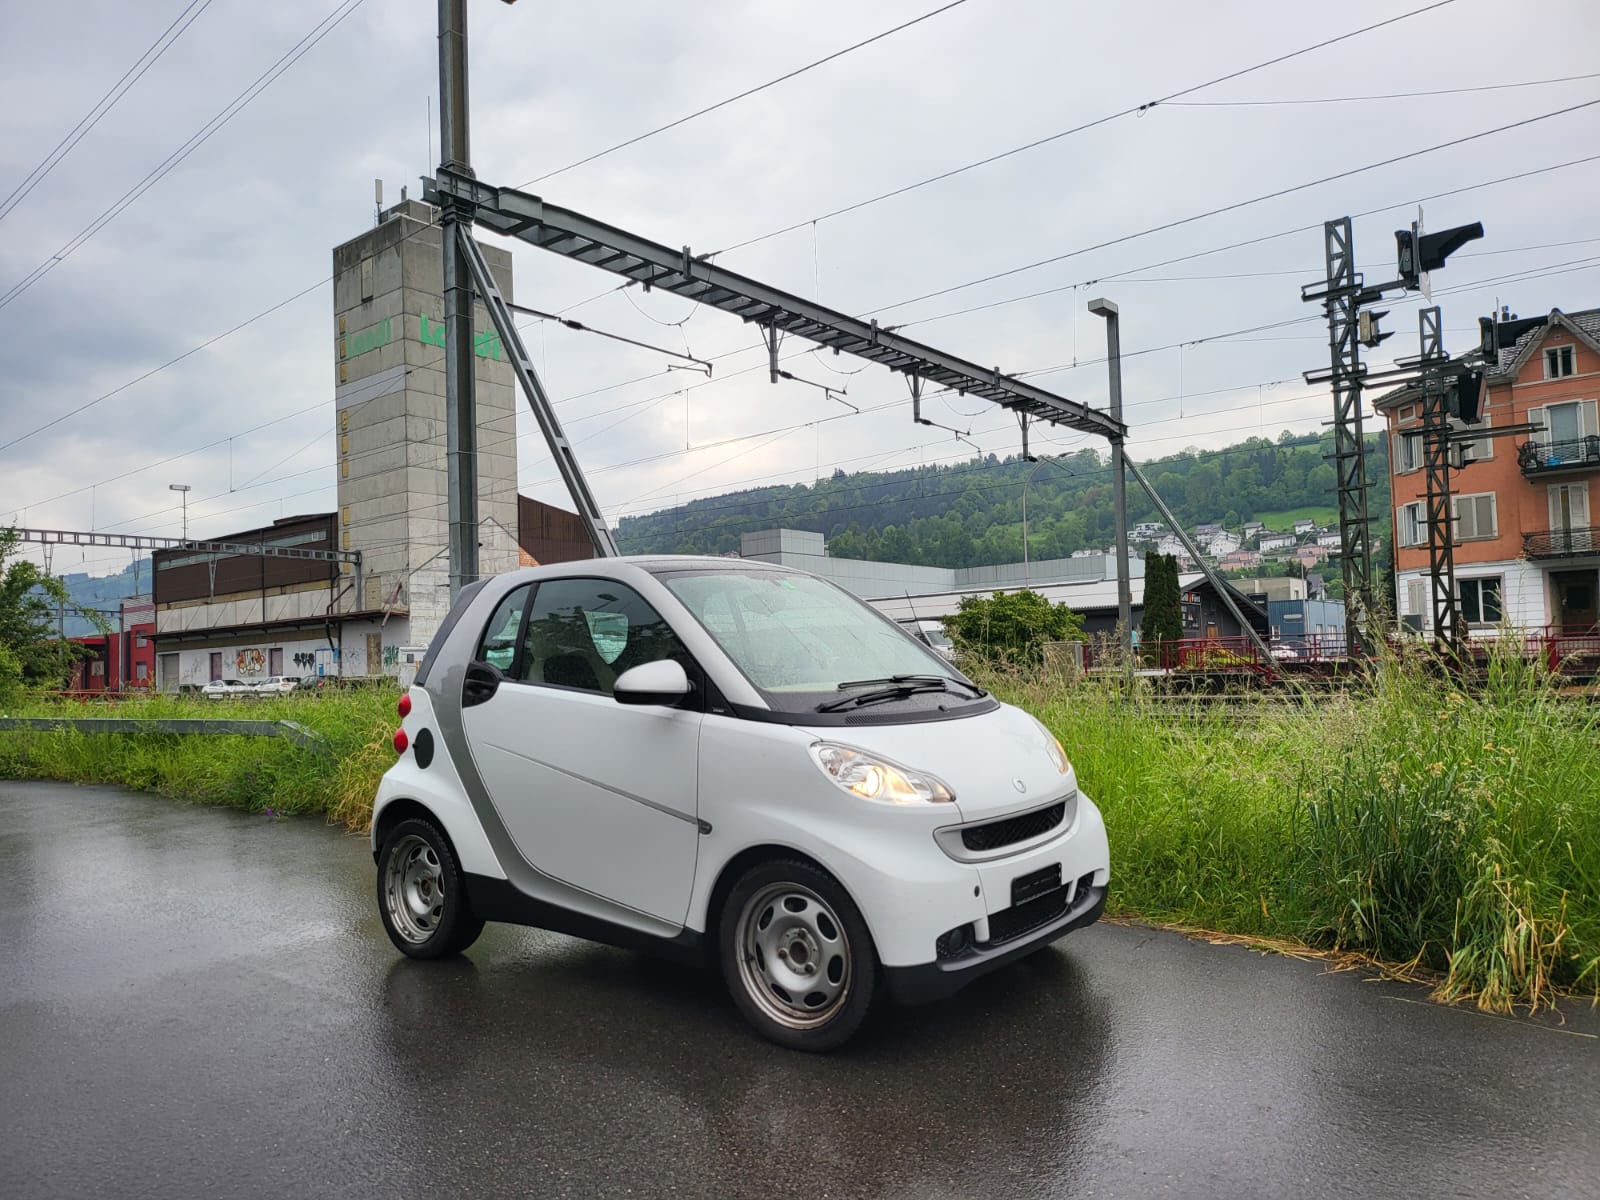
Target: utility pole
point(456, 217)
point(183, 490)
point(1102, 307)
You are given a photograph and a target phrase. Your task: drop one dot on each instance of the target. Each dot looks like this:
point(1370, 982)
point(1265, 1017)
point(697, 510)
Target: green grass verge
point(1409, 823)
point(256, 774)
point(1412, 824)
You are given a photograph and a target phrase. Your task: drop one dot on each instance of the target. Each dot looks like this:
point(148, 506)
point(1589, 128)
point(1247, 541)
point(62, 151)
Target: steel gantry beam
point(583, 239)
point(138, 541)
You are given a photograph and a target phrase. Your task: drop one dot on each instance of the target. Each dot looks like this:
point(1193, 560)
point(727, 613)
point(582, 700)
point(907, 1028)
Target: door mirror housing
point(660, 682)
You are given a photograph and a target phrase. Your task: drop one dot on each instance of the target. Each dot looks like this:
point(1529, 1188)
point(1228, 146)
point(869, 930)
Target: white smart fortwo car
point(728, 762)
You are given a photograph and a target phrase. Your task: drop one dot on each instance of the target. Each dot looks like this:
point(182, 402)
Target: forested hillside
point(970, 514)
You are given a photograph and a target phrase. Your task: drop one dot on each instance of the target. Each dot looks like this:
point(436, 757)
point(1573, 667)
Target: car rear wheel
point(797, 956)
point(421, 893)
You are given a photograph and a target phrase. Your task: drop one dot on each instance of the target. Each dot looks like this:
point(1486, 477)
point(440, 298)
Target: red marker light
point(405, 704)
point(400, 741)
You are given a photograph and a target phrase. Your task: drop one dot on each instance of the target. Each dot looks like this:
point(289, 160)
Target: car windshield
point(937, 638)
point(798, 638)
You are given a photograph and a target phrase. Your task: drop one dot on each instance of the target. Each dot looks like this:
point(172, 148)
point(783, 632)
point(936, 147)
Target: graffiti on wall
point(391, 656)
point(250, 661)
point(305, 660)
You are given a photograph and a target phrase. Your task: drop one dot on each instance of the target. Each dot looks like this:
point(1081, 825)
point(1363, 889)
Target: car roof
point(651, 563)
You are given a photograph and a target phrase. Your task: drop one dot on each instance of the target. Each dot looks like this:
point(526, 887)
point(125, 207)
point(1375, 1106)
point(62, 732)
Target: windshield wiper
point(893, 687)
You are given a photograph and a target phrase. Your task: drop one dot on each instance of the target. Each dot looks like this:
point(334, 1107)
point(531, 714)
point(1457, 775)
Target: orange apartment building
point(1526, 548)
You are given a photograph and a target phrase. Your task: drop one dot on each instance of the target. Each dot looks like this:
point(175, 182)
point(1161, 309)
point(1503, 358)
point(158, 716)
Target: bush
point(1011, 628)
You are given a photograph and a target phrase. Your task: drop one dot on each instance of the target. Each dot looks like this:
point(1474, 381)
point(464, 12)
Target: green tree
point(30, 652)
point(1163, 609)
point(1011, 627)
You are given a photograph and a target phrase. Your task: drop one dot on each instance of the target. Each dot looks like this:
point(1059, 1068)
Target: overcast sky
point(250, 217)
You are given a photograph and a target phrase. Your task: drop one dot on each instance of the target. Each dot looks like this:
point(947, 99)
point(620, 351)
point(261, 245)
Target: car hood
point(997, 762)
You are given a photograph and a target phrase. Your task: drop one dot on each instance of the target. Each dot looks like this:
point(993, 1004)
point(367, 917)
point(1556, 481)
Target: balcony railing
point(1545, 458)
point(1561, 543)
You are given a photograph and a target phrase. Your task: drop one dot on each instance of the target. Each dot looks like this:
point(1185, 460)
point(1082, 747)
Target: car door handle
point(481, 683)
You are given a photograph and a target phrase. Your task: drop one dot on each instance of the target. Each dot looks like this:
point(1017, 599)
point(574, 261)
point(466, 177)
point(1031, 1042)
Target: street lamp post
point(183, 490)
point(1119, 483)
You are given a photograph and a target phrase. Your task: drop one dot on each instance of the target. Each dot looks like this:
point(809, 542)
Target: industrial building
point(1087, 585)
point(242, 616)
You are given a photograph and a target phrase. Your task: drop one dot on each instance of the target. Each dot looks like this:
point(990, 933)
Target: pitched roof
point(1585, 325)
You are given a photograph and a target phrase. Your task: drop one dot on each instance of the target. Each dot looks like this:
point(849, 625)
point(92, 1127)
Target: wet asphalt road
point(195, 1002)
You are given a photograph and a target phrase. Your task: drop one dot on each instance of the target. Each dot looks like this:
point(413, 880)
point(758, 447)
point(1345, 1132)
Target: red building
point(122, 661)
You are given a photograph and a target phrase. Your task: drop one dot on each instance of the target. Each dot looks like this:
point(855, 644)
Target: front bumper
point(927, 982)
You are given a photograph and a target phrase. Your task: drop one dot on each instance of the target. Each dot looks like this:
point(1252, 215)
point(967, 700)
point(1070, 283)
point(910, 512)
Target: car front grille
point(995, 834)
point(1011, 923)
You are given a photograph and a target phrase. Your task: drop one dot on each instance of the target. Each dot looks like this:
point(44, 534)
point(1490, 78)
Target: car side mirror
point(660, 682)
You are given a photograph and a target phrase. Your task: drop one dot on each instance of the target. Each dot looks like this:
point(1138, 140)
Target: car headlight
point(872, 777)
point(1054, 748)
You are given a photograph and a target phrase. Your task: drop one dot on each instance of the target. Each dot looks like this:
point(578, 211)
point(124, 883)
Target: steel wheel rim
point(413, 889)
point(794, 956)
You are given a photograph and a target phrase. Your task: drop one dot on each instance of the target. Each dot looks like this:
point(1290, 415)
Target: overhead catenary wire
point(104, 105)
point(1246, 203)
point(195, 141)
point(1456, 91)
point(739, 439)
point(748, 92)
point(1130, 110)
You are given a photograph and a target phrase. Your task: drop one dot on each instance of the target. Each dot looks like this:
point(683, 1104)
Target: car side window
point(498, 645)
point(583, 633)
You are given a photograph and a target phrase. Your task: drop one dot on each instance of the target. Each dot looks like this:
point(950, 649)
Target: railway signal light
point(1465, 401)
point(1495, 336)
point(1417, 253)
point(1367, 331)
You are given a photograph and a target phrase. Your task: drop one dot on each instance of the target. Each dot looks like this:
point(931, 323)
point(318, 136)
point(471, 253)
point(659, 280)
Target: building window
point(141, 641)
point(1412, 532)
point(1558, 362)
point(1408, 453)
point(1480, 600)
point(1569, 506)
point(141, 672)
point(1479, 450)
point(1416, 597)
point(1475, 517)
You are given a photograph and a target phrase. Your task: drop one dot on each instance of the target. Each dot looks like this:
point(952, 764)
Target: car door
point(597, 794)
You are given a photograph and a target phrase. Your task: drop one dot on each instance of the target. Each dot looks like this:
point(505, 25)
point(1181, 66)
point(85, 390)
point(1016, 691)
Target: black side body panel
point(499, 900)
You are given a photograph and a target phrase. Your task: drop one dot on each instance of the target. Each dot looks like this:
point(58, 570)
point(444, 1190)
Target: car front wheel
point(421, 894)
point(797, 956)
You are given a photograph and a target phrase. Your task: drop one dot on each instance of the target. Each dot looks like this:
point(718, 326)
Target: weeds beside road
point(1408, 822)
point(1411, 822)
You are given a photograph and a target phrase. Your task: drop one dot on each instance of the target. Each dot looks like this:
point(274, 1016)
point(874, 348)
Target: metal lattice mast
point(1342, 302)
point(1436, 464)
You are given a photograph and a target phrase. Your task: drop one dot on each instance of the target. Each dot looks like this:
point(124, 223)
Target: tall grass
point(1413, 823)
point(256, 774)
point(1409, 822)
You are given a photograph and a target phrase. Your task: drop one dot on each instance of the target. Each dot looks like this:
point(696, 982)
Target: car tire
point(797, 956)
point(422, 895)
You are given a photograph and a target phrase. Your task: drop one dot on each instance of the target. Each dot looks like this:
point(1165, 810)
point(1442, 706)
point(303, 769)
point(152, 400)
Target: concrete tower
point(389, 424)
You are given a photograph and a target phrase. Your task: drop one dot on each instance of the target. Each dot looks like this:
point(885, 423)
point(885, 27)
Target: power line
point(157, 370)
point(1239, 204)
point(1490, 87)
point(796, 427)
point(711, 108)
point(1131, 110)
point(103, 105)
point(196, 140)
